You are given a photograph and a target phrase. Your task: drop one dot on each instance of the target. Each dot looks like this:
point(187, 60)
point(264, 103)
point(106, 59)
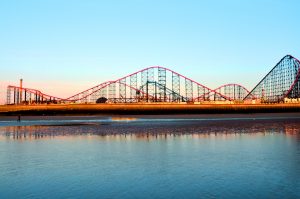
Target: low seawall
point(93, 109)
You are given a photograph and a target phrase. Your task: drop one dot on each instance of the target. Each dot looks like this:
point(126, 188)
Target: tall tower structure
point(20, 91)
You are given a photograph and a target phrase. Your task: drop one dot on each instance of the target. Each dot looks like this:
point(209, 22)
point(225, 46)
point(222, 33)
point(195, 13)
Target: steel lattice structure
point(233, 92)
point(16, 95)
point(153, 84)
point(160, 84)
point(281, 82)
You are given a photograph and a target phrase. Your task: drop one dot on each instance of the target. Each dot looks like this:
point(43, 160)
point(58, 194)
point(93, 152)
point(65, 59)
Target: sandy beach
point(144, 109)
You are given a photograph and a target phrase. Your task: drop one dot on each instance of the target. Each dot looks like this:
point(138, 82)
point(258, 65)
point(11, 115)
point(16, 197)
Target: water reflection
point(149, 130)
point(123, 118)
point(147, 159)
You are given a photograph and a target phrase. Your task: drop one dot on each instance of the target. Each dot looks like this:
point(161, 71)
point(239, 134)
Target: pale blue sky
point(65, 46)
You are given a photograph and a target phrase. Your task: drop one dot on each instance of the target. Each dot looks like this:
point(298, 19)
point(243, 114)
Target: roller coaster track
point(234, 92)
point(160, 84)
point(162, 70)
point(280, 83)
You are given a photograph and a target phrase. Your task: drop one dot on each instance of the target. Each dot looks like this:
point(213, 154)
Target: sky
point(62, 47)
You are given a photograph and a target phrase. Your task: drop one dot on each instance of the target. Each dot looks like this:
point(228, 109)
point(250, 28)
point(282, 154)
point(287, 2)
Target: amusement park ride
point(157, 84)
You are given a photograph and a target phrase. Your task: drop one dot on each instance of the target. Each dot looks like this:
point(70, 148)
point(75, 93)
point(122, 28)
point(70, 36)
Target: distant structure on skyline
point(157, 84)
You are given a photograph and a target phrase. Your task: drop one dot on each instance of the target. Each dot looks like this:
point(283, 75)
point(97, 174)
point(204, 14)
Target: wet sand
point(127, 118)
point(149, 126)
point(144, 109)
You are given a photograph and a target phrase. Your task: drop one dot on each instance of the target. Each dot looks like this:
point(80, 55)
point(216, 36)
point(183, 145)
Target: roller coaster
point(158, 84)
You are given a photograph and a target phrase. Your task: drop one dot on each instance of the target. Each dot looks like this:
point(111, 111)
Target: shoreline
point(130, 117)
point(145, 126)
point(144, 109)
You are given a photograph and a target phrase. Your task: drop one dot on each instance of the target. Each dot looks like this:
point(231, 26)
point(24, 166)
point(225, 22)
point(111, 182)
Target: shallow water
point(127, 157)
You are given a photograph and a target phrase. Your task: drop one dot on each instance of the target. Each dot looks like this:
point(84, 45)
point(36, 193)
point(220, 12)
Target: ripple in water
point(151, 159)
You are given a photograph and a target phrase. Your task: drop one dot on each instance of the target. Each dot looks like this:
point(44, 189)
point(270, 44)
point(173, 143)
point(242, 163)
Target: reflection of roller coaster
point(159, 84)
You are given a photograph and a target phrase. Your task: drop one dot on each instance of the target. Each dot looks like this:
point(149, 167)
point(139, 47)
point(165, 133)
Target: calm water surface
point(127, 157)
